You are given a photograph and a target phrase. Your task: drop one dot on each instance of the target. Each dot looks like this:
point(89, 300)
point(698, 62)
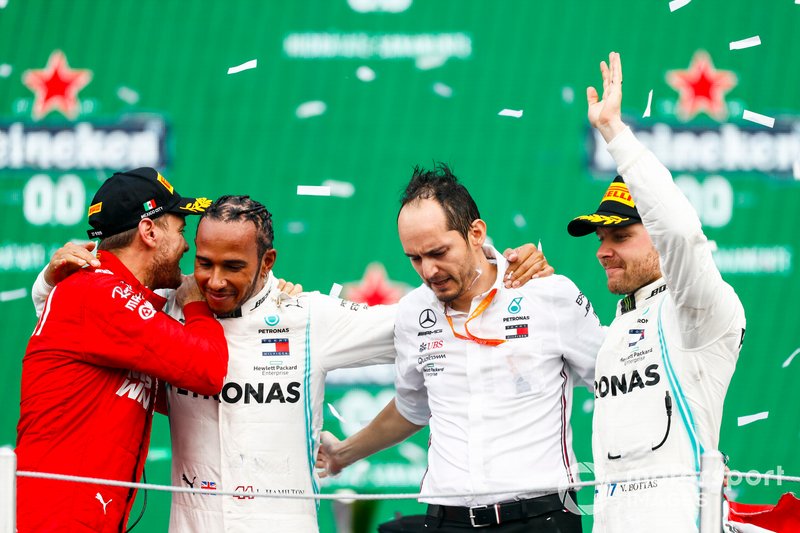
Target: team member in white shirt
point(490, 369)
point(665, 366)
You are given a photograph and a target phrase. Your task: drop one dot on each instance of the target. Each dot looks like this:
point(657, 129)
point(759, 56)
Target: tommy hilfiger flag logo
point(275, 347)
point(150, 204)
point(517, 331)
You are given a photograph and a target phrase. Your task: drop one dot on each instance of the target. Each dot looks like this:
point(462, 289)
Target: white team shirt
point(261, 434)
point(499, 416)
point(678, 336)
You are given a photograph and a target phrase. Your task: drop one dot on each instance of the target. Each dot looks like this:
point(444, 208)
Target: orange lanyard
point(478, 310)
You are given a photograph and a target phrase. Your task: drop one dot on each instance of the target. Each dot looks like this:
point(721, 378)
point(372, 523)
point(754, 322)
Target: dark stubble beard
point(166, 271)
point(638, 275)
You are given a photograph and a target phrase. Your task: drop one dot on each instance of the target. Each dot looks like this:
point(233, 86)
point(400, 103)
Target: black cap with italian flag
point(616, 209)
point(127, 197)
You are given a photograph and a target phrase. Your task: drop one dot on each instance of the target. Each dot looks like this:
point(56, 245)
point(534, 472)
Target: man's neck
point(484, 281)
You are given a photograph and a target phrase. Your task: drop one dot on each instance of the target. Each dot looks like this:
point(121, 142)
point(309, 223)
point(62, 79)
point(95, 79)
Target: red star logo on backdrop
point(702, 88)
point(375, 288)
point(56, 86)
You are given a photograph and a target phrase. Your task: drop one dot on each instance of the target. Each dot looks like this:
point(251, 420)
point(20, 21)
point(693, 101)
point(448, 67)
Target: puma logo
point(100, 499)
point(190, 483)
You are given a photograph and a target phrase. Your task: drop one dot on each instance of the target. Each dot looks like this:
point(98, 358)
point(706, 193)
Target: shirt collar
point(640, 297)
point(110, 262)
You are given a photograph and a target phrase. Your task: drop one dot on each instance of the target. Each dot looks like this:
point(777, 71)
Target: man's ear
point(147, 232)
point(267, 262)
point(477, 233)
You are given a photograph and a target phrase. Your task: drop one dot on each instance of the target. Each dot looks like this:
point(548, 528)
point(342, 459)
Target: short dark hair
point(441, 184)
point(242, 209)
point(124, 239)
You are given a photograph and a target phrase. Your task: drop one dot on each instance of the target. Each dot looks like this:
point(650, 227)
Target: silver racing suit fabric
point(261, 434)
point(664, 369)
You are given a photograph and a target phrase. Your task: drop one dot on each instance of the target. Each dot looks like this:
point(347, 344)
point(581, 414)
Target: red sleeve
point(127, 332)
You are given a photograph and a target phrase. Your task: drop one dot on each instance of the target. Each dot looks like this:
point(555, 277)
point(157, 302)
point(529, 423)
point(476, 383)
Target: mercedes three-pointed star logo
point(427, 318)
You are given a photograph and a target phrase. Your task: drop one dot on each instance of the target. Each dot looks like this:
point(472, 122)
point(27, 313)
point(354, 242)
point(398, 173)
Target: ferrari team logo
point(56, 87)
point(701, 88)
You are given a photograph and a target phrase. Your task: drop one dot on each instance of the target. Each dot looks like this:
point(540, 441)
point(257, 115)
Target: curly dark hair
point(241, 209)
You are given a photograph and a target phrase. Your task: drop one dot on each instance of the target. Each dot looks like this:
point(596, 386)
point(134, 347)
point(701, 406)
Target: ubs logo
point(427, 318)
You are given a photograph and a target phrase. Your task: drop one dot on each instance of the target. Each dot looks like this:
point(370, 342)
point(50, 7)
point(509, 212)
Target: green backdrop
point(352, 94)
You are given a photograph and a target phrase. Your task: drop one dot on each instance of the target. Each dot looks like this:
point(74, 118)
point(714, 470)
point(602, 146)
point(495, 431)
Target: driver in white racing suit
point(664, 369)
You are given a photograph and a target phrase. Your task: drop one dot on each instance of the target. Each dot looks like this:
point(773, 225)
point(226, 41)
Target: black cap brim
point(586, 224)
point(190, 206)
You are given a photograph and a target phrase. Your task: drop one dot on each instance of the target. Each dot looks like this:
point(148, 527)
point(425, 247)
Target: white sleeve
point(705, 304)
point(39, 292)
point(579, 330)
point(411, 396)
point(352, 334)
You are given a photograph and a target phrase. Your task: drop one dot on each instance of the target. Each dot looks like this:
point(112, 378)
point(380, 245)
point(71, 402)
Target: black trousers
point(555, 522)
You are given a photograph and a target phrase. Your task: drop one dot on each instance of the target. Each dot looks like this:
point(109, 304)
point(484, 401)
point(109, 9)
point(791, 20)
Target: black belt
point(499, 513)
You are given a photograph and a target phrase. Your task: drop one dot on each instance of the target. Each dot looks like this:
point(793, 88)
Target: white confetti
point(749, 419)
point(5, 70)
point(539, 246)
point(764, 120)
point(3, 4)
point(746, 43)
point(342, 189)
point(336, 414)
point(649, 102)
point(568, 94)
point(428, 62)
point(519, 221)
point(311, 109)
point(796, 164)
point(16, 294)
point(365, 74)
point(790, 358)
point(677, 4)
point(445, 91)
point(336, 290)
point(128, 95)
point(588, 406)
point(510, 113)
point(296, 226)
point(313, 190)
point(253, 63)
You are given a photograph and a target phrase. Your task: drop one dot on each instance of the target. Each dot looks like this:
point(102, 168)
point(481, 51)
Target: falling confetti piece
point(588, 406)
point(568, 94)
point(295, 227)
point(3, 4)
point(342, 189)
point(126, 94)
point(649, 102)
point(16, 294)
point(429, 62)
point(510, 113)
point(746, 43)
point(336, 290)
point(519, 221)
point(445, 91)
point(244, 66)
point(796, 164)
point(539, 246)
point(749, 419)
point(336, 414)
point(677, 4)
point(5, 70)
point(311, 109)
point(365, 74)
point(764, 120)
point(313, 190)
point(790, 358)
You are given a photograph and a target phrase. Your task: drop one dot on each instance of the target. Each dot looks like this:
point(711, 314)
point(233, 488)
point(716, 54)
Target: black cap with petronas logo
point(127, 197)
point(616, 209)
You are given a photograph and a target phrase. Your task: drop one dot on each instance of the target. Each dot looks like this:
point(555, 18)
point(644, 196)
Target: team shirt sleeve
point(411, 395)
point(706, 305)
point(39, 292)
point(354, 334)
point(579, 330)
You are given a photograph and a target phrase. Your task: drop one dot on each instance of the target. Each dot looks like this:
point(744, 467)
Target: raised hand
point(605, 114)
